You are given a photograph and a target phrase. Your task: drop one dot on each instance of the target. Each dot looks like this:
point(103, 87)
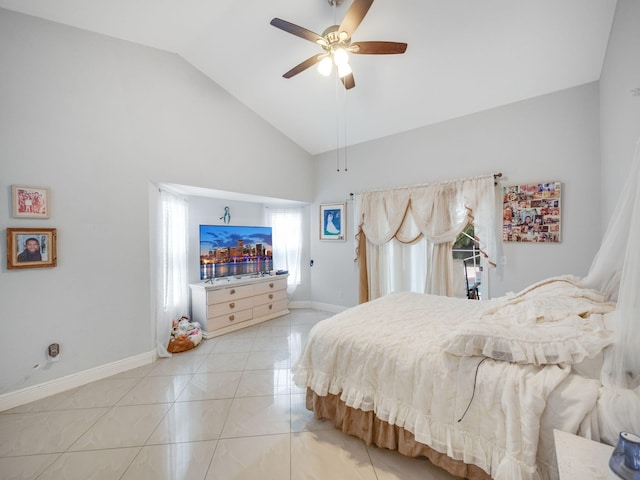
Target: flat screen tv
point(227, 250)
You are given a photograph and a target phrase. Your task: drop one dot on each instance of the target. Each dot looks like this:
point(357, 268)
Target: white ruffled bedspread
point(388, 356)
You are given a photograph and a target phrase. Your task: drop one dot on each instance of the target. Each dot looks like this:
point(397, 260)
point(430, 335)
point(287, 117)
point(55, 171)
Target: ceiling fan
point(336, 43)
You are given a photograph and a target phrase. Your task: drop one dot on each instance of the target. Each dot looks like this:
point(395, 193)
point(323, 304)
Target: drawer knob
point(233, 290)
point(232, 305)
point(271, 285)
point(232, 318)
point(270, 306)
point(270, 295)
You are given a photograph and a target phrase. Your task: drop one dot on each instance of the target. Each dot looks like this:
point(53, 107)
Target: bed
point(476, 387)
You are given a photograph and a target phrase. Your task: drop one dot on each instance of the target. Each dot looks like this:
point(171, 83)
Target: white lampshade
point(344, 70)
point(324, 67)
point(340, 56)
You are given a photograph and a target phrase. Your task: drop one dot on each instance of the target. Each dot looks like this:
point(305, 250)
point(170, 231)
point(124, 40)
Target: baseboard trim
point(328, 307)
point(42, 390)
point(299, 304)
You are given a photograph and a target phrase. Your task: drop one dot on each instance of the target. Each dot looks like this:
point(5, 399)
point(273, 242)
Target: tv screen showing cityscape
point(227, 250)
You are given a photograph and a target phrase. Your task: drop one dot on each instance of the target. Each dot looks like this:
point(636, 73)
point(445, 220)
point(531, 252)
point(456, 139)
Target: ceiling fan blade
point(298, 31)
point(354, 16)
point(377, 48)
point(301, 67)
point(348, 81)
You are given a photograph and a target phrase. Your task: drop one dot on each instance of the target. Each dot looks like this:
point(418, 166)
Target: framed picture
point(531, 213)
point(31, 248)
point(333, 221)
point(30, 202)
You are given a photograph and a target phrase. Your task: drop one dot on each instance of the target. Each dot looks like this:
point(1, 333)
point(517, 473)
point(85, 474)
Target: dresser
point(231, 303)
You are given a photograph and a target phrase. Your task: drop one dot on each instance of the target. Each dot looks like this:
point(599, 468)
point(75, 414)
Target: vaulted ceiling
point(464, 56)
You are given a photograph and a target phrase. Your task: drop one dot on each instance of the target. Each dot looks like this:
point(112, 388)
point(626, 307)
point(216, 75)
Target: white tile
point(192, 422)
point(126, 426)
point(264, 382)
point(304, 316)
point(46, 404)
point(177, 365)
point(102, 393)
point(208, 386)
point(268, 360)
point(272, 330)
point(45, 432)
point(25, 468)
point(163, 389)
point(180, 461)
point(283, 321)
point(233, 345)
point(258, 416)
point(302, 420)
point(224, 362)
point(94, 465)
point(391, 465)
point(247, 332)
point(265, 457)
point(278, 342)
point(329, 454)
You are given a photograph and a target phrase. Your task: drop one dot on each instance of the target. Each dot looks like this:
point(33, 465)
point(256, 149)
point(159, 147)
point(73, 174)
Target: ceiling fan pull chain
point(346, 169)
point(337, 124)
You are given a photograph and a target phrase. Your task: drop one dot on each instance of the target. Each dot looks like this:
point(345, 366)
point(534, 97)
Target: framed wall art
point(333, 221)
point(30, 202)
point(31, 248)
point(531, 213)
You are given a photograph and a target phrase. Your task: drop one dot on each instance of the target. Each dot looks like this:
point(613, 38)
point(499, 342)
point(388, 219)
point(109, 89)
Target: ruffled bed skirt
point(368, 427)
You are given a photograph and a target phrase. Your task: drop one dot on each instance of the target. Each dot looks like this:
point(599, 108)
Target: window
point(468, 262)
point(287, 243)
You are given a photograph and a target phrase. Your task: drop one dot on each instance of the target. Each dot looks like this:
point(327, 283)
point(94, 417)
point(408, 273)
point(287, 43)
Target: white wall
point(550, 138)
point(619, 108)
point(98, 120)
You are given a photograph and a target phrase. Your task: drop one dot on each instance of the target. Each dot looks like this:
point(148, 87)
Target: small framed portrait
point(333, 221)
point(30, 202)
point(31, 248)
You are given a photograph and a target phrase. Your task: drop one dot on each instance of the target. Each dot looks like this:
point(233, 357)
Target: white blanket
point(387, 356)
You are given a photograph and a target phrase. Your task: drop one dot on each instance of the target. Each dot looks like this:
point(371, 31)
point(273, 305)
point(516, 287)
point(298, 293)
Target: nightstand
point(582, 458)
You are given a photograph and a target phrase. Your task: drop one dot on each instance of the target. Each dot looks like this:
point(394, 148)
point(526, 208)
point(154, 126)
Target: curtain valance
point(438, 211)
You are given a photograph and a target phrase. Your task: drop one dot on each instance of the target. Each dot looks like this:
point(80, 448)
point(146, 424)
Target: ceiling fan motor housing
point(335, 38)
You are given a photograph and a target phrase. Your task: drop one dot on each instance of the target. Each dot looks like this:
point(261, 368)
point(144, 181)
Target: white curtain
point(428, 215)
point(286, 224)
point(616, 272)
point(173, 300)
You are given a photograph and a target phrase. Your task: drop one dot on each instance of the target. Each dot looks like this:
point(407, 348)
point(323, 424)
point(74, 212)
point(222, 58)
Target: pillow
point(567, 341)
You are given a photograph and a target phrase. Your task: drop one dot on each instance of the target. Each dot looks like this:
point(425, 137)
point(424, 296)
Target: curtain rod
point(495, 182)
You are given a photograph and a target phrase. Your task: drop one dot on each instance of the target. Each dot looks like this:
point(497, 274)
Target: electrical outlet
point(54, 350)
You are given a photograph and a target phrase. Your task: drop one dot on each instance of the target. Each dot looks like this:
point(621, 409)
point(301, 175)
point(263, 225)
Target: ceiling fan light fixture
point(325, 66)
point(344, 70)
point(336, 43)
point(340, 57)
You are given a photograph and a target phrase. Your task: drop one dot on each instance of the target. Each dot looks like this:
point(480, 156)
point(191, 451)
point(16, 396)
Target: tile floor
point(225, 410)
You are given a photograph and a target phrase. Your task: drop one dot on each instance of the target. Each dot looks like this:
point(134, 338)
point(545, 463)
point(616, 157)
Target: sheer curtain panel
point(174, 297)
point(286, 224)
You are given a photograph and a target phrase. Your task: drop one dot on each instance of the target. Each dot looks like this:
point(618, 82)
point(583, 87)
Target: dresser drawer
point(228, 319)
point(229, 294)
point(269, 297)
point(229, 307)
point(269, 308)
point(270, 286)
